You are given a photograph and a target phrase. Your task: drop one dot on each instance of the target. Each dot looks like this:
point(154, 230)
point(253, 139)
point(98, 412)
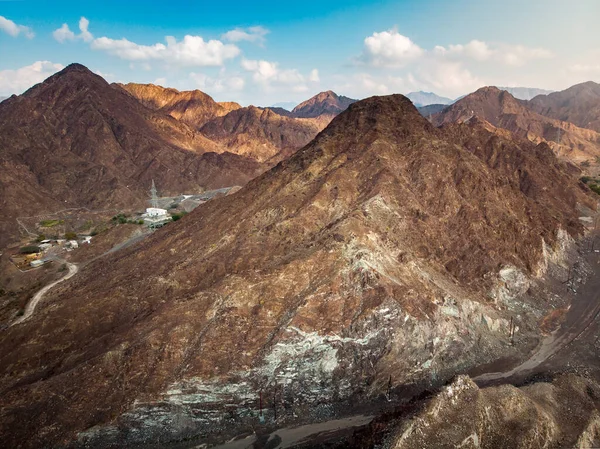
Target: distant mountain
point(280, 111)
point(287, 105)
point(262, 134)
point(430, 109)
point(192, 107)
point(374, 258)
point(525, 93)
point(325, 103)
point(502, 110)
point(421, 99)
point(579, 104)
point(76, 141)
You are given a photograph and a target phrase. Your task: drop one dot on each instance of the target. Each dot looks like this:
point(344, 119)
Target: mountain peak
point(324, 103)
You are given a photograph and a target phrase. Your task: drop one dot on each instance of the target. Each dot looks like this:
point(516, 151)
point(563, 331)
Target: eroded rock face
point(371, 253)
point(564, 413)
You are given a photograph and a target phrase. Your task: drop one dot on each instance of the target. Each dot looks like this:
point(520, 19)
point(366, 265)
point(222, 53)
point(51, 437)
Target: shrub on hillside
point(31, 249)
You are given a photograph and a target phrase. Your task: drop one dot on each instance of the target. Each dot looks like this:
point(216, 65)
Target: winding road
point(31, 305)
point(584, 310)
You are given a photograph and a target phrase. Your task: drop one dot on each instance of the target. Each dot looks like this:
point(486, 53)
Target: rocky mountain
point(287, 105)
point(76, 141)
point(323, 104)
point(3, 98)
point(386, 251)
point(192, 107)
point(561, 413)
point(502, 110)
point(421, 98)
point(579, 104)
point(262, 134)
point(525, 93)
point(431, 109)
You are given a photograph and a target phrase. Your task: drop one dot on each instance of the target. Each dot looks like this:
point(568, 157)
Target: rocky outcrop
point(563, 413)
point(384, 251)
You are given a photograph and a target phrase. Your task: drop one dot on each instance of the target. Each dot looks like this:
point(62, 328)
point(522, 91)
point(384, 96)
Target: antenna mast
point(153, 196)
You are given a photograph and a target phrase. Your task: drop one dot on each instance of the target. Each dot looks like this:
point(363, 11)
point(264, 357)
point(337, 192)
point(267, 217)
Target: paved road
point(31, 305)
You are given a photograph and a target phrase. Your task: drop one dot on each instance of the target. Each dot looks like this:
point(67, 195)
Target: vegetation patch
point(592, 183)
point(50, 223)
point(31, 249)
point(178, 215)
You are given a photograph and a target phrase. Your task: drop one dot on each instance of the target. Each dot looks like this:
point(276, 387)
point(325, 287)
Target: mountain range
point(76, 141)
point(501, 110)
point(421, 99)
point(368, 257)
point(372, 246)
point(525, 93)
point(579, 104)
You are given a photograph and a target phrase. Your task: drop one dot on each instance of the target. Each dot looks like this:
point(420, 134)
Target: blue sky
point(259, 52)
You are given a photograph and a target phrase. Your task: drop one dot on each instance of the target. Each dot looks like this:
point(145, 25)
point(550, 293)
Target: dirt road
point(584, 310)
point(31, 305)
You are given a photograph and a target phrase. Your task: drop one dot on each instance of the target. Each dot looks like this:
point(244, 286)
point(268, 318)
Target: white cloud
point(448, 77)
point(83, 27)
point(269, 75)
point(253, 34)
point(160, 81)
point(13, 29)
point(189, 52)
point(17, 81)
point(518, 55)
point(478, 50)
point(389, 49)
point(192, 51)
point(64, 33)
point(585, 69)
point(217, 85)
point(512, 55)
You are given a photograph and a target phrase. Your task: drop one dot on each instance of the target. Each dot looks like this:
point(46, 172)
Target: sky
point(266, 52)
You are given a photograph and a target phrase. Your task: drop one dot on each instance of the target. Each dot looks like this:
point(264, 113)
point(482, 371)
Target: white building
point(155, 217)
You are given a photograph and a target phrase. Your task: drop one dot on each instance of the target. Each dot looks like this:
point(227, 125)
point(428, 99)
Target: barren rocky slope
point(75, 141)
point(262, 134)
point(385, 251)
point(502, 110)
point(563, 413)
point(193, 107)
point(323, 104)
point(579, 104)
